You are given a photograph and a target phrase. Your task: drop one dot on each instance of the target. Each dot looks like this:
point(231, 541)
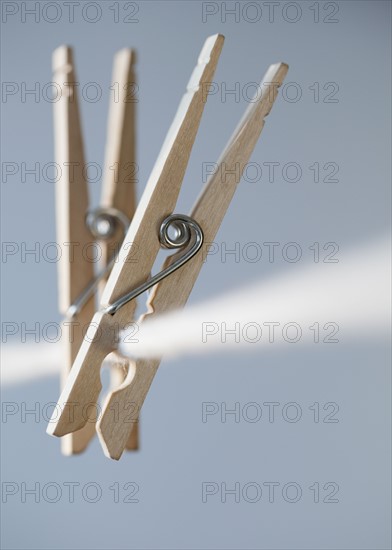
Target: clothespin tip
point(215, 40)
point(62, 58)
point(126, 55)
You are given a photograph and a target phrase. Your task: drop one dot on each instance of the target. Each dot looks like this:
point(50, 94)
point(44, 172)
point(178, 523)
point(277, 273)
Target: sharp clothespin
point(76, 273)
point(148, 231)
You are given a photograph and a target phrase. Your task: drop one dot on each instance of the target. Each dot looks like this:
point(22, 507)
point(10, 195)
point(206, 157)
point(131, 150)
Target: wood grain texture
point(74, 273)
point(120, 170)
point(141, 244)
point(119, 368)
point(173, 292)
point(159, 198)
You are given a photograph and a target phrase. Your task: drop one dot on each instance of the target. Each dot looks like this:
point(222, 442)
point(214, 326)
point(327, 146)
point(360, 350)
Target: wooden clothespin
point(76, 273)
point(148, 231)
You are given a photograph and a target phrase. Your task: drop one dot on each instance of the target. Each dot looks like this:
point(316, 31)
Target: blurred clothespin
point(79, 228)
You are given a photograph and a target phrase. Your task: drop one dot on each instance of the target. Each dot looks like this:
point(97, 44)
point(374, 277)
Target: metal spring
point(103, 222)
point(187, 233)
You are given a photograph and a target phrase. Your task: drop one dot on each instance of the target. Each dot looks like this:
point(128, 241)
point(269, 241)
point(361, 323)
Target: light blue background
point(179, 452)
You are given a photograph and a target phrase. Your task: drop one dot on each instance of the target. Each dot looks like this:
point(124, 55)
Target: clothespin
point(148, 231)
point(76, 272)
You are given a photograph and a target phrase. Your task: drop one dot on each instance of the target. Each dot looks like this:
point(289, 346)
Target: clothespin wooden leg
point(173, 291)
point(72, 234)
point(120, 173)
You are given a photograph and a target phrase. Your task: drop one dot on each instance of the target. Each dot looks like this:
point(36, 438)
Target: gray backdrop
point(335, 112)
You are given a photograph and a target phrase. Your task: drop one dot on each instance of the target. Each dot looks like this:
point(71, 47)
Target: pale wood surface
point(159, 198)
point(160, 195)
point(120, 169)
point(74, 273)
point(119, 368)
point(174, 291)
point(118, 191)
